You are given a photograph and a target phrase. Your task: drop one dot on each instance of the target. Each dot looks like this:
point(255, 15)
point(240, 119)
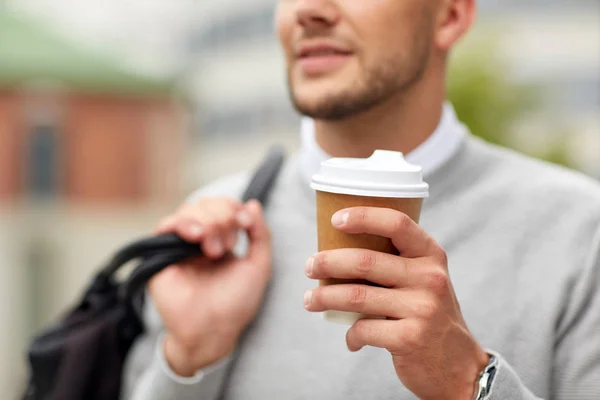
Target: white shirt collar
point(430, 155)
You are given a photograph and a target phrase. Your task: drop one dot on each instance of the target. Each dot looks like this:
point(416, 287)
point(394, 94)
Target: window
point(43, 161)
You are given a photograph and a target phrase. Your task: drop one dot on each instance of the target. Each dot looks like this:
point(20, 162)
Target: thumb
point(259, 250)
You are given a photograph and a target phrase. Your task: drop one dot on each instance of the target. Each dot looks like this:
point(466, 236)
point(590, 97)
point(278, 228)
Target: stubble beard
point(387, 78)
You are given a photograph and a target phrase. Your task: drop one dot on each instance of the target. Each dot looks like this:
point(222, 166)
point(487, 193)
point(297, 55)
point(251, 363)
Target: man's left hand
point(434, 354)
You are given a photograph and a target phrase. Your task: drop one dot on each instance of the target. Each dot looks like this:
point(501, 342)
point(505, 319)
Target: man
point(515, 242)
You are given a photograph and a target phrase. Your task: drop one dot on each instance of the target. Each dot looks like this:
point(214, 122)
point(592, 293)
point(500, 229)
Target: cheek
point(376, 32)
point(384, 28)
point(284, 25)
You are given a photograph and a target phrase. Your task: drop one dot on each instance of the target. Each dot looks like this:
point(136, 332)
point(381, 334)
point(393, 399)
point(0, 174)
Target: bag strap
point(265, 176)
point(164, 250)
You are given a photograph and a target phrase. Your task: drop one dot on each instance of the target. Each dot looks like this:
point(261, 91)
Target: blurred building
point(240, 86)
point(240, 80)
point(127, 29)
point(90, 158)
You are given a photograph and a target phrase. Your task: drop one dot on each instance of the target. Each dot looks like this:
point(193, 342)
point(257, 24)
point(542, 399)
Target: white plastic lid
point(384, 174)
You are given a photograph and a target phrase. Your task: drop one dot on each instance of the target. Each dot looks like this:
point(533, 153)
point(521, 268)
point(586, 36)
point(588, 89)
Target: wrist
point(466, 388)
point(482, 359)
point(486, 379)
point(186, 360)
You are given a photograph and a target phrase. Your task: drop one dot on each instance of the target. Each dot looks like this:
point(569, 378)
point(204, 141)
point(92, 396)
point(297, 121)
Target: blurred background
point(112, 111)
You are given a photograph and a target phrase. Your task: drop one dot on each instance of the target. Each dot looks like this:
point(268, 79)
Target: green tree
point(489, 101)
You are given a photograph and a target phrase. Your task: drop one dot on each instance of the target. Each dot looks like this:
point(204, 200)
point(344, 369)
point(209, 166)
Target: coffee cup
point(385, 180)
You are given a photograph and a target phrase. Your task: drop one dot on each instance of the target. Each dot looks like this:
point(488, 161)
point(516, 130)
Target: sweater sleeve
point(576, 368)
point(577, 357)
point(507, 384)
point(147, 375)
point(159, 382)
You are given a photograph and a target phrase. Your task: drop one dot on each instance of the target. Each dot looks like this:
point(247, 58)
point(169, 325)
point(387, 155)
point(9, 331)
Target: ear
point(455, 17)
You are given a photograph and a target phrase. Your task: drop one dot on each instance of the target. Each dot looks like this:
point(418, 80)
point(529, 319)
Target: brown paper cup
point(330, 238)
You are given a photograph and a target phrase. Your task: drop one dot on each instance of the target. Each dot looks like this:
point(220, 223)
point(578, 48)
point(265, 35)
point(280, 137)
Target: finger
point(407, 236)
point(230, 240)
point(244, 218)
point(190, 230)
point(222, 228)
point(230, 225)
point(213, 246)
point(259, 251)
point(219, 212)
point(380, 268)
point(166, 225)
point(399, 337)
point(357, 298)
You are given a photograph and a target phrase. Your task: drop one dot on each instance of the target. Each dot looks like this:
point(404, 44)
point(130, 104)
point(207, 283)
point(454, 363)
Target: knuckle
point(403, 269)
point(231, 207)
point(357, 295)
point(437, 280)
point(428, 309)
point(360, 215)
point(411, 337)
point(366, 263)
point(180, 223)
point(401, 222)
point(440, 255)
point(228, 221)
point(360, 329)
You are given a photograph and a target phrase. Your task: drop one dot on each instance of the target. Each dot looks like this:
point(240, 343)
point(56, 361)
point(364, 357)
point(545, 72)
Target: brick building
point(91, 155)
point(76, 127)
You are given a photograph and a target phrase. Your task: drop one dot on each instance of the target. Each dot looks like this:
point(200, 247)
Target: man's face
point(346, 56)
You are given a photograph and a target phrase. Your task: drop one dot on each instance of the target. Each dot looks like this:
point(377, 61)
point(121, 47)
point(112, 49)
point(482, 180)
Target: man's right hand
point(207, 302)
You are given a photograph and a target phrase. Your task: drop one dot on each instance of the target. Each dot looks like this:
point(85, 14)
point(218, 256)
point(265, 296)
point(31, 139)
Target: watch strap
point(484, 384)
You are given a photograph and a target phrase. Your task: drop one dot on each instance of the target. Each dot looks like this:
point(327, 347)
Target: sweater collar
point(439, 148)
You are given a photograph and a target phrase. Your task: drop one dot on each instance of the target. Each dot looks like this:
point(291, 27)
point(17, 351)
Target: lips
point(321, 50)
point(320, 58)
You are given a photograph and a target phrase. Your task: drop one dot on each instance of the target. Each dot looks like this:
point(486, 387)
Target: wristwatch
point(483, 386)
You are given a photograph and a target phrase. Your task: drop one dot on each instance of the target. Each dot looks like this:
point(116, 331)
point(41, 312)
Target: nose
point(314, 15)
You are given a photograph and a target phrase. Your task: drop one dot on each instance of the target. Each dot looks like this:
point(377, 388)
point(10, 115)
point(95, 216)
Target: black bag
point(82, 357)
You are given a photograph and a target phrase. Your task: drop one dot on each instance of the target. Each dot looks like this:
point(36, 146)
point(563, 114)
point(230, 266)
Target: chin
point(310, 104)
point(314, 95)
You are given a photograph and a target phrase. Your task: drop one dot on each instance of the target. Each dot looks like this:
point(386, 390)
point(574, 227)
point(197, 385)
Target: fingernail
point(307, 298)
point(340, 218)
point(195, 230)
point(243, 218)
point(308, 268)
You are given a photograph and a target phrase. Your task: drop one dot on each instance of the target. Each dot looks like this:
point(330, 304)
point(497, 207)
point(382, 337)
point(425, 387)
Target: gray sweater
point(523, 241)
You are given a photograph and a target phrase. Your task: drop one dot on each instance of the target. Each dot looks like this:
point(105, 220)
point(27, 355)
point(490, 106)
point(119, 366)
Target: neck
point(401, 123)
